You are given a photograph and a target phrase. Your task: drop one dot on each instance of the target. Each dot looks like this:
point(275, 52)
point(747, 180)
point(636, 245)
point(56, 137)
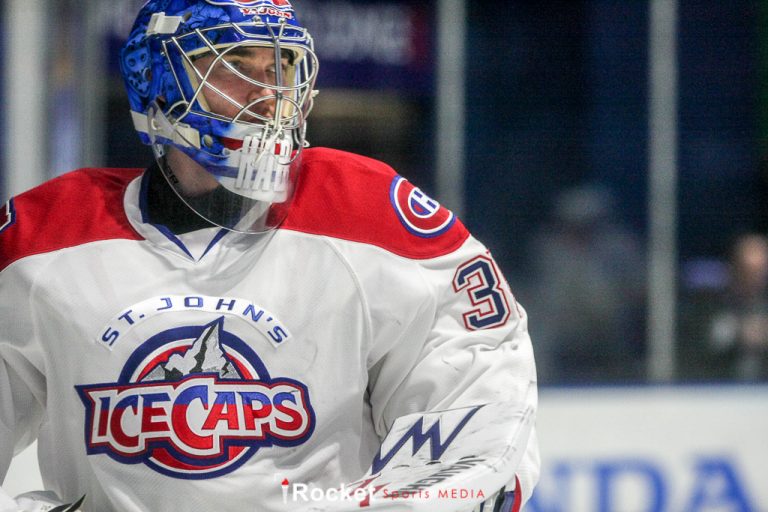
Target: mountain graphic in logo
point(204, 356)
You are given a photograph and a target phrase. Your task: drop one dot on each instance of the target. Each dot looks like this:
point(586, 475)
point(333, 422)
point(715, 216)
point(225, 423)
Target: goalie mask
point(221, 90)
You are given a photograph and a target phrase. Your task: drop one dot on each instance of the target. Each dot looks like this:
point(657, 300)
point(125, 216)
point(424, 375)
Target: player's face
point(256, 63)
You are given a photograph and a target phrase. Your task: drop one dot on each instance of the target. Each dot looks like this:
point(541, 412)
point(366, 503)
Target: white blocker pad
point(449, 460)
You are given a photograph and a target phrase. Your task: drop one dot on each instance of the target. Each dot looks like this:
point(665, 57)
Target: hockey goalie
point(251, 323)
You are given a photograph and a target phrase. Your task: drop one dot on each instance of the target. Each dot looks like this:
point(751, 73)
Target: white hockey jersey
point(207, 371)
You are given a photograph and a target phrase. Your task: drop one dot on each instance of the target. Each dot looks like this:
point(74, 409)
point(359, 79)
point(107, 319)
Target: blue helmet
point(229, 84)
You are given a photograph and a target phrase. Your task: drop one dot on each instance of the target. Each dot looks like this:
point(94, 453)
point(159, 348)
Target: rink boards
point(653, 449)
point(630, 449)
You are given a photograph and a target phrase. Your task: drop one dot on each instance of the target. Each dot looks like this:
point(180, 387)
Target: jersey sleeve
point(32, 225)
point(20, 413)
point(466, 343)
point(22, 381)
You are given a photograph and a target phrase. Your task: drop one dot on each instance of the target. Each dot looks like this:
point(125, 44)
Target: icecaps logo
point(194, 402)
point(420, 214)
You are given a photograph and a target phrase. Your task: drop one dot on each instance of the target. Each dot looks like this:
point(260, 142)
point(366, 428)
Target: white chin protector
point(263, 170)
point(247, 188)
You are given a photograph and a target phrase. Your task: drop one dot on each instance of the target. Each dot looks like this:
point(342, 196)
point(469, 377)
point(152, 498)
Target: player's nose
point(261, 101)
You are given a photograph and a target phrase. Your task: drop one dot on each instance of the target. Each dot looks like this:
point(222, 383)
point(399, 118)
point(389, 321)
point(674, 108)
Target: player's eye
point(272, 70)
point(237, 64)
point(271, 74)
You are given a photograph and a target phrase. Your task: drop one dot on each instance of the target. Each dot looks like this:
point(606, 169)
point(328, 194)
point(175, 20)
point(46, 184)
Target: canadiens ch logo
point(420, 214)
point(194, 402)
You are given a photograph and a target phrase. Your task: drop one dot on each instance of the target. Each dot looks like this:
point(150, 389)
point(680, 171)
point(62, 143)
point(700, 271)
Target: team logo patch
point(194, 402)
point(420, 214)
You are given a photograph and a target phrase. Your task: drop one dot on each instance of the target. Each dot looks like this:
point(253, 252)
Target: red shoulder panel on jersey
point(351, 197)
point(76, 208)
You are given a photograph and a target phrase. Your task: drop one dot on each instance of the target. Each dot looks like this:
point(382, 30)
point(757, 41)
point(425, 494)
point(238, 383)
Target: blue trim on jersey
point(143, 195)
point(173, 238)
point(10, 216)
point(215, 240)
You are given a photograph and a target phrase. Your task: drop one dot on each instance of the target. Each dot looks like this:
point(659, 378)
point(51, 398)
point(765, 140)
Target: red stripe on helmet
point(233, 144)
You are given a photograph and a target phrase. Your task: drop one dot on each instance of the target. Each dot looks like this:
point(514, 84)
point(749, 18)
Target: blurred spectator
point(738, 332)
point(587, 292)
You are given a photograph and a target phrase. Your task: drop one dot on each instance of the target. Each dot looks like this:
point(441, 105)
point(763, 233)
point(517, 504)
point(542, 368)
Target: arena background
point(611, 154)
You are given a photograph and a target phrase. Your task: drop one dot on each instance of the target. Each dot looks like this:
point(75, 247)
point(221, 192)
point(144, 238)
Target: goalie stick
point(72, 507)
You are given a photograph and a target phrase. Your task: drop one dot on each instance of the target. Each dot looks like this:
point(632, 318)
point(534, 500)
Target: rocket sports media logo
point(194, 402)
point(398, 473)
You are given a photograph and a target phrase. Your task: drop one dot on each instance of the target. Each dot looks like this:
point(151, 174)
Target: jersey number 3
point(481, 280)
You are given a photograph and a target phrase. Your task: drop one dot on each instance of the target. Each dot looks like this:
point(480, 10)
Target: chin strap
point(183, 135)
